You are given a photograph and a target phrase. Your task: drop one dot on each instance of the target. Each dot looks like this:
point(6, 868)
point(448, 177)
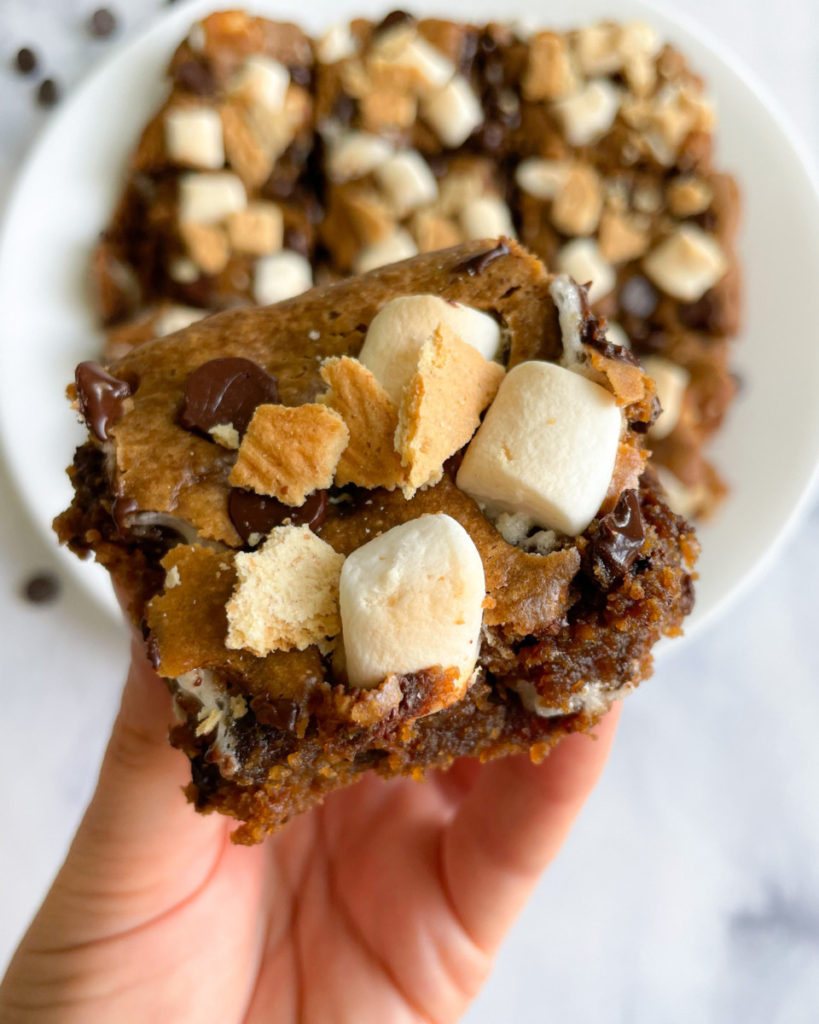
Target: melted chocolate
point(100, 397)
point(703, 315)
point(279, 712)
point(480, 261)
point(256, 513)
point(226, 391)
point(618, 540)
point(392, 19)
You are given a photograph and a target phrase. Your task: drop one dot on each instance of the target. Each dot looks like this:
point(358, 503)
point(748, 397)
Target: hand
point(386, 904)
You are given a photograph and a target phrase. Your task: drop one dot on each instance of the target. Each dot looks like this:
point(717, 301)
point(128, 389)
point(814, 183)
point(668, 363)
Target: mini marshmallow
point(209, 198)
point(581, 259)
point(183, 270)
point(193, 136)
point(176, 318)
point(336, 44)
point(454, 112)
point(412, 599)
point(261, 81)
point(402, 47)
point(398, 331)
point(546, 448)
point(486, 217)
point(281, 276)
point(540, 178)
point(355, 154)
point(687, 263)
point(407, 182)
point(588, 114)
point(400, 245)
point(671, 381)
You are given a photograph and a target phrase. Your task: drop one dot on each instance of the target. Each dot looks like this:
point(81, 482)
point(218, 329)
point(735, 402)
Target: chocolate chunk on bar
point(395, 521)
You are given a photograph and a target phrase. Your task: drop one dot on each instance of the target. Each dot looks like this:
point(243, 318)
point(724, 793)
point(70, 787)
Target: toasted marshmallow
point(687, 263)
point(541, 178)
point(176, 318)
point(398, 331)
point(545, 449)
point(581, 259)
point(407, 182)
point(281, 276)
point(587, 115)
point(400, 245)
point(671, 381)
point(486, 217)
point(193, 136)
point(355, 154)
point(337, 43)
point(412, 599)
point(261, 81)
point(454, 112)
point(209, 198)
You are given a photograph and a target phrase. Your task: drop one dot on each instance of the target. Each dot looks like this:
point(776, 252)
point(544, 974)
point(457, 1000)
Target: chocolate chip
point(43, 588)
point(100, 397)
point(102, 23)
point(278, 712)
point(258, 514)
point(48, 93)
point(25, 60)
point(300, 75)
point(638, 297)
point(197, 77)
point(393, 19)
point(476, 264)
point(297, 240)
point(702, 315)
point(617, 541)
point(226, 391)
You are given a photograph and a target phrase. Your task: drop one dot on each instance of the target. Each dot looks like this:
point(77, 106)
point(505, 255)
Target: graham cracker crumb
point(441, 406)
point(226, 435)
point(290, 452)
point(286, 593)
point(370, 459)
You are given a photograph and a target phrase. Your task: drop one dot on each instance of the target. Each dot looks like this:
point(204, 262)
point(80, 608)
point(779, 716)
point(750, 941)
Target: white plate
point(66, 191)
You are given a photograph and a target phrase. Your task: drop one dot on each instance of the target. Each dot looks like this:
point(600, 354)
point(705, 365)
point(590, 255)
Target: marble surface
point(689, 890)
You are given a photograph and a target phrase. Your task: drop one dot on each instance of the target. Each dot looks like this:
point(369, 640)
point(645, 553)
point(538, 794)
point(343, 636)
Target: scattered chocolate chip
point(196, 76)
point(617, 541)
point(102, 23)
point(476, 264)
point(152, 650)
point(226, 391)
point(48, 93)
point(638, 297)
point(297, 240)
point(43, 588)
point(121, 510)
point(593, 333)
point(702, 315)
point(392, 19)
point(687, 595)
point(278, 712)
point(344, 109)
point(258, 514)
point(300, 75)
point(25, 60)
point(100, 397)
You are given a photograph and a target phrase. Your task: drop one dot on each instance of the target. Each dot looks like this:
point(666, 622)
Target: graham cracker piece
point(286, 593)
point(289, 452)
point(549, 73)
point(207, 246)
point(388, 109)
point(628, 382)
point(441, 406)
point(246, 153)
point(629, 465)
point(370, 459)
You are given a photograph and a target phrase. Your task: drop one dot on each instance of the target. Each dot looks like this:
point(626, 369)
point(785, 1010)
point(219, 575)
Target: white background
point(690, 889)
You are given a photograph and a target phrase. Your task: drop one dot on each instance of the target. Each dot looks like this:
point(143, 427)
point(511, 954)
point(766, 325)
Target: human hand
point(387, 903)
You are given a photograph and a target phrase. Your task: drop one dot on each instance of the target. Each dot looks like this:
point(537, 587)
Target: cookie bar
point(279, 161)
point(398, 520)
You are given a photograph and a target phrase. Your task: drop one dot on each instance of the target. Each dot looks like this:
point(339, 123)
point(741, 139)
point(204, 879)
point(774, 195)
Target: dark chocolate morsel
point(100, 397)
point(638, 296)
point(618, 539)
point(48, 93)
point(258, 514)
point(703, 315)
point(300, 75)
point(102, 23)
point(226, 390)
point(197, 77)
point(25, 60)
point(480, 261)
point(42, 588)
point(392, 19)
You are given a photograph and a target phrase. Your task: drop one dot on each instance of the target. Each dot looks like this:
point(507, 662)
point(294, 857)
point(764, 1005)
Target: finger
point(511, 824)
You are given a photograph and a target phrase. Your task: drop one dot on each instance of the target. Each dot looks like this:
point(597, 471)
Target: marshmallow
point(193, 136)
point(407, 182)
point(355, 154)
point(183, 270)
point(261, 81)
point(281, 276)
point(546, 448)
point(176, 318)
point(400, 245)
point(412, 599)
point(588, 114)
point(687, 263)
point(571, 312)
point(454, 112)
point(402, 47)
point(337, 43)
point(540, 178)
point(581, 259)
point(486, 217)
point(209, 198)
point(616, 334)
point(398, 331)
point(671, 381)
